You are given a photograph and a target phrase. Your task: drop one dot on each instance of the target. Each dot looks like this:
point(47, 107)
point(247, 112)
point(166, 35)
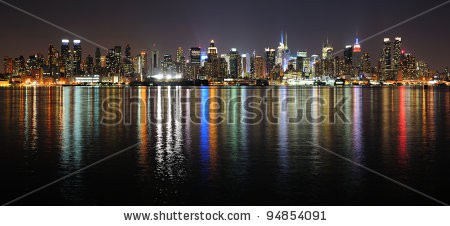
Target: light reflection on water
point(50, 132)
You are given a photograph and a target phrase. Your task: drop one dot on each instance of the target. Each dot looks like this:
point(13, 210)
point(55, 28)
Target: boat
point(339, 82)
point(301, 82)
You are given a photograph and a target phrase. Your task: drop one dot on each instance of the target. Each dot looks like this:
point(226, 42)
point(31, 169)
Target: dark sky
point(243, 24)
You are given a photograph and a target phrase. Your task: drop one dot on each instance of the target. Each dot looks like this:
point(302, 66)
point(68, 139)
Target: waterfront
point(49, 132)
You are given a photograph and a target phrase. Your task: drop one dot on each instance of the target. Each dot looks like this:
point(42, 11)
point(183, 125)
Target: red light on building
point(356, 48)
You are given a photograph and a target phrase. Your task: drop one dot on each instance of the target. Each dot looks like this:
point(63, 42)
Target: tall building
point(179, 54)
point(114, 59)
point(327, 51)
point(97, 57)
point(66, 61)
point(97, 61)
point(397, 52)
point(77, 56)
point(357, 57)
point(244, 64)
point(252, 64)
point(139, 65)
point(167, 65)
point(193, 70)
point(223, 68)
point(386, 64)
point(366, 65)
point(235, 64)
point(180, 62)
point(327, 64)
point(128, 64)
point(270, 59)
point(144, 63)
point(53, 56)
point(260, 67)
point(212, 64)
point(301, 61)
point(282, 53)
point(89, 65)
point(154, 63)
point(8, 65)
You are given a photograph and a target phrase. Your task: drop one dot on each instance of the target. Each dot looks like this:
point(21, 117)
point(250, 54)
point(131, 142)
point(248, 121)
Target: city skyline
point(231, 31)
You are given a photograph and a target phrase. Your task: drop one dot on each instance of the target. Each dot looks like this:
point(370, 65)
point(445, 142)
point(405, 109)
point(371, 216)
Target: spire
point(282, 37)
point(285, 45)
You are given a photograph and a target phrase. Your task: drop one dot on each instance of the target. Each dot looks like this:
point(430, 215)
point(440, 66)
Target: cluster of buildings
point(67, 64)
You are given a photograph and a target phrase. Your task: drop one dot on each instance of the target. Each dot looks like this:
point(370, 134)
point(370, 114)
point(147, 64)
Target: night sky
point(243, 24)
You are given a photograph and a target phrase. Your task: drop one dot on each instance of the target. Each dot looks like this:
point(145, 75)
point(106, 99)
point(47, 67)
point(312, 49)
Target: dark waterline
point(49, 132)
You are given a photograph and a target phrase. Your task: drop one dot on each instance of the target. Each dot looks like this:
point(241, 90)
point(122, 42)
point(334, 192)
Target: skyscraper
point(244, 64)
point(114, 59)
point(366, 65)
point(77, 56)
point(195, 53)
point(327, 51)
point(65, 57)
point(154, 62)
point(270, 59)
point(260, 68)
point(52, 62)
point(8, 65)
point(194, 63)
point(167, 66)
point(212, 64)
point(89, 65)
point(235, 64)
point(179, 54)
point(128, 66)
point(386, 65)
point(397, 52)
point(357, 57)
point(97, 61)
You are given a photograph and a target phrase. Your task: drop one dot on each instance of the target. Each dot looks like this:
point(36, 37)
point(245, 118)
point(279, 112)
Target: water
point(49, 132)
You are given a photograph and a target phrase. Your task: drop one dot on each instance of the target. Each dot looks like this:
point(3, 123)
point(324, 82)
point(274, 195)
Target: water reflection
point(399, 131)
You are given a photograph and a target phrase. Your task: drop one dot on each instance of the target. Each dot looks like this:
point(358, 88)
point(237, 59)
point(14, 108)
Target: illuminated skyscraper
point(244, 64)
point(270, 59)
point(386, 65)
point(97, 61)
point(195, 54)
point(212, 64)
point(128, 65)
point(66, 58)
point(52, 62)
point(89, 65)
point(179, 54)
point(167, 65)
point(397, 52)
point(235, 64)
point(327, 51)
point(193, 70)
point(282, 53)
point(114, 60)
point(366, 65)
point(303, 62)
point(252, 64)
point(260, 68)
point(348, 55)
point(357, 57)
point(77, 56)
point(8, 65)
point(154, 62)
